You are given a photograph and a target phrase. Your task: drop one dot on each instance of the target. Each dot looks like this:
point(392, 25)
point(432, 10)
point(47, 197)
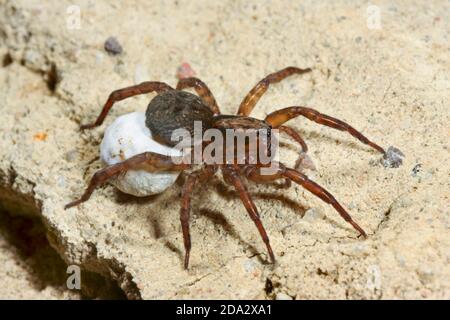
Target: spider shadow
point(314, 135)
point(228, 194)
point(341, 225)
point(25, 240)
point(299, 209)
point(346, 142)
point(158, 234)
point(217, 218)
point(155, 225)
point(123, 198)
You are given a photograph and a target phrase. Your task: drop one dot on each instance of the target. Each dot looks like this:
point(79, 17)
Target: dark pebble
point(392, 158)
point(417, 168)
point(113, 46)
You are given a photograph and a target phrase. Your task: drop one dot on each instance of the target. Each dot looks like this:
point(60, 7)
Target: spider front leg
point(250, 100)
point(152, 161)
point(278, 118)
point(202, 90)
point(121, 94)
point(255, 175)
point(232, 177)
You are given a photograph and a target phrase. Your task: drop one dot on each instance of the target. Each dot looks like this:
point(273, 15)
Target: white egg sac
point(128, 136)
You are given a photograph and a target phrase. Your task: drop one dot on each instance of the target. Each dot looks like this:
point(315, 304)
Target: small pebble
point(99, 57)
point(304, 162)
point(113, 46)
point(40, 136)
point(417, 168)
point(185, 71)
point(72, 155)
point(421, 174)
point(392, 158)
point(283, 296)
point(313, 214)
point(249, 266)
point(61, 182)
point(401, 260)
point(359, 249)
point(425, 274)
point(140, 74)
point(403, 201)
point(34, 59)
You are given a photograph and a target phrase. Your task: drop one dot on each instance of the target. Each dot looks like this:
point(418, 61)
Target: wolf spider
point(172, 108)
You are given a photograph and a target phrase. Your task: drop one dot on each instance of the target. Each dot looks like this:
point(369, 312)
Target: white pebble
point(34, 59)
point(61, 181)
point(128, 136)
point(249, 265)
point(313, 214)
point(140, 74)
point(392, 158)
point(99, 57)
point(282, 296)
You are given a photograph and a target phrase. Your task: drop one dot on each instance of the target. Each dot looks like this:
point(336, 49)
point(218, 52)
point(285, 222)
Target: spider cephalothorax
point(173, 109)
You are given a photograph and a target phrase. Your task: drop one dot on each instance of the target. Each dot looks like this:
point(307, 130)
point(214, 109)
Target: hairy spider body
point(173, 109)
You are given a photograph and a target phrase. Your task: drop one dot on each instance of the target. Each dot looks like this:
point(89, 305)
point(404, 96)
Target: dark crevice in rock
point(271, 288)
point(18, 204)
point(28, 236)
point(112, 269)
point(384, 220)
point(52, 78)
point(22, 228)
point(7, 60)
point(268, 287)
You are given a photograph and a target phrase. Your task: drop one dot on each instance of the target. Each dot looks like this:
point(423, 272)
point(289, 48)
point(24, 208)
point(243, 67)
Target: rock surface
point(387, 77)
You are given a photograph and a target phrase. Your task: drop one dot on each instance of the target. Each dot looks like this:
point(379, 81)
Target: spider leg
point(232, 177)
point(296, 136)
point(117, 95)
point(185, 214)
point(202, 90)
point(188, 187)
point(250, 100)
point(323, 194)
point(152, 162)
point(251, 172)
point(255, 175)
point(279, 117)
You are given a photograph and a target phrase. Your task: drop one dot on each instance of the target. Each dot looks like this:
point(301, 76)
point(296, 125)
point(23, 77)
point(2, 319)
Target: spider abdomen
point(174, 109)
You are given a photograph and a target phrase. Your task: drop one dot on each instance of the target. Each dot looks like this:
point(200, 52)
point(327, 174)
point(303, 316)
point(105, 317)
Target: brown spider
point(173, 109)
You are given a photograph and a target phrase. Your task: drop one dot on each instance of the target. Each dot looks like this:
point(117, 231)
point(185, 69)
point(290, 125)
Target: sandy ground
point(386, 74)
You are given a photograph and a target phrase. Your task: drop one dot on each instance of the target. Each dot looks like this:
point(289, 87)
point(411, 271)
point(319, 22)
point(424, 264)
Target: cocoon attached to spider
point(128, 136)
